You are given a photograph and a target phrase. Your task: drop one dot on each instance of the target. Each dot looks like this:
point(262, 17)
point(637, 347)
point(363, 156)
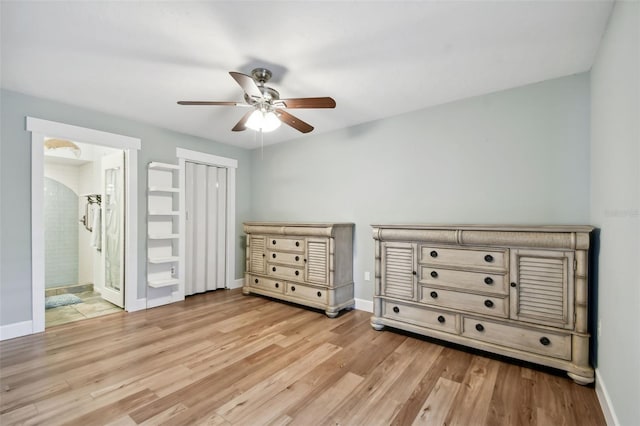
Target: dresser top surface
point(299, 224)
point(504, 228)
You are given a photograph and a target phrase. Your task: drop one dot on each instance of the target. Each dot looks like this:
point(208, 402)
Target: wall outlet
point(173, 270)
point(367, 276)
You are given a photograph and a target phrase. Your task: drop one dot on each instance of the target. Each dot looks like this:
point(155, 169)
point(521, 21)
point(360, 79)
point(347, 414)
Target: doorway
point(83, 224)
point(40, 129)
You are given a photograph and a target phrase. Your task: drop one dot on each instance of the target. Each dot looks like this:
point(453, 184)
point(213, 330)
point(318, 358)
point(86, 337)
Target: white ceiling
point(376, 59)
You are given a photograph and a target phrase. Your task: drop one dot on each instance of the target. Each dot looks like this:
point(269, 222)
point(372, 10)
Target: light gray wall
point(518, 156)
point(615, 207)
point(15, 187)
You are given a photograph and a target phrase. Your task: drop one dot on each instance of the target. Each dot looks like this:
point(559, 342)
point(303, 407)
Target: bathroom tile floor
point(92, 305)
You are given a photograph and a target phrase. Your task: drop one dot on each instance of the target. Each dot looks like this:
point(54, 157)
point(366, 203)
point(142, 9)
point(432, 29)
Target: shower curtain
point(205, 208)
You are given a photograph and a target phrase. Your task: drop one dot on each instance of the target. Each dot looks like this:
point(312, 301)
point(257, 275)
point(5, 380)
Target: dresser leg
point(246, 291)
point(375, 325)
point(581, 380)
point(331, 314)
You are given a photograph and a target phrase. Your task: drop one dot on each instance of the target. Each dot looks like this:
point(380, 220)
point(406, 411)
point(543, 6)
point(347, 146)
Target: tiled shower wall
point(60, 234)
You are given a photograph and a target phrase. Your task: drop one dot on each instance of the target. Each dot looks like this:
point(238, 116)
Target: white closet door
point(205, 196)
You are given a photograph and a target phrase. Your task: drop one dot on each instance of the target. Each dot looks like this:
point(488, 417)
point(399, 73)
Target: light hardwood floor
point(223, 358)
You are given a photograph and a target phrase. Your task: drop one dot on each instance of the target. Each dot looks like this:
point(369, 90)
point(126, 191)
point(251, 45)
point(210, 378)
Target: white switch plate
point(367, 276)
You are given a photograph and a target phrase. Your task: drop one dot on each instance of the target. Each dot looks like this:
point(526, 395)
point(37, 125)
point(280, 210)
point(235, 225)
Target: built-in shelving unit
point(162, 226)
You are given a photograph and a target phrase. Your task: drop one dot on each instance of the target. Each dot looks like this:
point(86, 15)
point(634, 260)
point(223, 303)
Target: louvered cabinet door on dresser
point(306, 263)
point(519, 291)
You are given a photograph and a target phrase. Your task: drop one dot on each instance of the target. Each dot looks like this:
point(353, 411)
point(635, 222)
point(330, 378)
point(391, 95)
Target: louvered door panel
point(257, 254)
point(542, 294)
point(317, 270)
point(398, 266)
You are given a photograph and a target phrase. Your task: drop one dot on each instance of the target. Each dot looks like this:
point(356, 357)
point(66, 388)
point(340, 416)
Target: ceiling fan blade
point(210, 103)
point(247, 83)
point(325, 102)
point(241, 125)
point(294, 122)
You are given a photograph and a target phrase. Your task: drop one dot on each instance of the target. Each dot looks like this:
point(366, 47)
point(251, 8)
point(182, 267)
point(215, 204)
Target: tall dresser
point(306, 263)
point(519, 291)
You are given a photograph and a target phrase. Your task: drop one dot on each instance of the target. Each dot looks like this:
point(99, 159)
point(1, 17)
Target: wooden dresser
point(306, 263)
point(519, 291)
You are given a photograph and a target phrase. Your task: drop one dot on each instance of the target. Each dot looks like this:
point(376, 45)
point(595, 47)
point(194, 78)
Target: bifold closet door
point(205, 209)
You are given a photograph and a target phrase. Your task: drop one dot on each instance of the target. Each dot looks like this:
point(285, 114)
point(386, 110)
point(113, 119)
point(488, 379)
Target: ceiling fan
point(267, 109)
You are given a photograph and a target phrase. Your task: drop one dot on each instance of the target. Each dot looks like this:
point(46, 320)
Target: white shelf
point(168, 259)
point(163, 189)
point(167, 213)
point(163, 166)
point(163, 283)
point(163, 236)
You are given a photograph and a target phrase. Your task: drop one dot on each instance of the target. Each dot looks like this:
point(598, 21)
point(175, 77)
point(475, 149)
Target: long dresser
point(519, 291)
point(306, 263)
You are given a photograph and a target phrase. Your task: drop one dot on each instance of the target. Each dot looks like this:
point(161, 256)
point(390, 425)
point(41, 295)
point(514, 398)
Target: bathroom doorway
point(134, 295)
point(83, 230)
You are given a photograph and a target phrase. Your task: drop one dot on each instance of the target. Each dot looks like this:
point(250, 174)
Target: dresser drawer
point(286, 258)
point(288, 244)
point(312, 294)
point(420, 316)
point(542, 342)
point(465, 280)
point(494, 259)
point(266, 284)
point(285, 271)
point(487, 305)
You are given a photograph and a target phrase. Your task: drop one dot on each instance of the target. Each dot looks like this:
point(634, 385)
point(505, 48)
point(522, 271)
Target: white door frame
point(40, 129)
point(231, 165)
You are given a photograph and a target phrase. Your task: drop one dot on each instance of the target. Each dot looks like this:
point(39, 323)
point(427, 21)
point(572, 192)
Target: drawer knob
point(434, 294)
point(297, 258)
point(277, 285)
point(319, 294)
point(396, 309)
point(257, 281)
point(293, 288)
point(273, 242)
point(545, 341)
point(488, 258)
point(297, 243)
point(263, 255)
point(513, 285)
point(434, 253)
point(479, 327)
point(414, 272)
point(434, 274)
point(488, 280)
point(297, 272)
point(441, 319)
point(273, 255)
point(273, 269)
point(488, 303)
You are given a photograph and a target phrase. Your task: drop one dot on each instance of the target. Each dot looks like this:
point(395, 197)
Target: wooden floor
point(223, 358)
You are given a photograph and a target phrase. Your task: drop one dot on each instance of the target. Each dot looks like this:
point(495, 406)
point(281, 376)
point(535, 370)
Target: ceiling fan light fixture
point(265, 121)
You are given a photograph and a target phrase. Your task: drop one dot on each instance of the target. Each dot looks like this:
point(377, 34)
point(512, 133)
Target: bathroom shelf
point(164, 282)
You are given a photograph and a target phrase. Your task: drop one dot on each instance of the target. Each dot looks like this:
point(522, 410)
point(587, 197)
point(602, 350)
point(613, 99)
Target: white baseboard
point(605, 402)
point(237, 283)
point(17, 329)
point(138, 305)
point(364, 305)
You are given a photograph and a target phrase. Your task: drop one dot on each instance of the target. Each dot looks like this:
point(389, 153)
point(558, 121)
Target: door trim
point(231, 165)
point(40, 128)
